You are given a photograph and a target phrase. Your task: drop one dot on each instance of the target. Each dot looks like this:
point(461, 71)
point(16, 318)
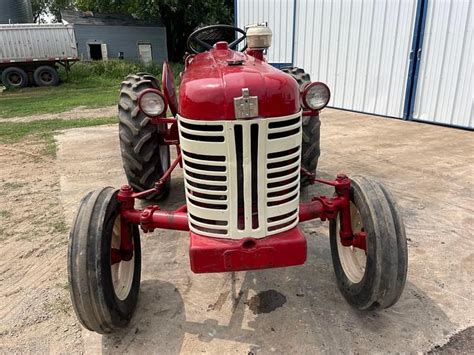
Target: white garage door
point(361, 49)
point(445, 90)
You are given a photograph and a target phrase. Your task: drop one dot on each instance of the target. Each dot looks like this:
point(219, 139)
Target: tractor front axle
point(216, 254)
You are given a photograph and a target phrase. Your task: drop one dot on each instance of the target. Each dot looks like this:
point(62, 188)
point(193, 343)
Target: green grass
point(12, 132)
point(89, 84)
point(10, 186)
point(5, 214)
point(33, 101)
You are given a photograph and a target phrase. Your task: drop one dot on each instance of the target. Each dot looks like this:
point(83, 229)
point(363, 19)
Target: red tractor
point(247, 138)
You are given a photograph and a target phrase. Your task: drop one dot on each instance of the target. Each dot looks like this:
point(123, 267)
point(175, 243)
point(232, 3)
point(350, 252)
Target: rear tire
point(144, 158)
point(375, 280)
point(14, 77)
point(46, 76)
point(310, 146)
point(104, 295)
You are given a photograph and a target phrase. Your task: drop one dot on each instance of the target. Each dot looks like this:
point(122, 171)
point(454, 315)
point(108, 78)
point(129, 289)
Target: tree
point(44, 8)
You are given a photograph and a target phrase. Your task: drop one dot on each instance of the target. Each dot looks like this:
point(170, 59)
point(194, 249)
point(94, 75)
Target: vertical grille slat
point(242, 178)
point(239, 153)
point(255, 177)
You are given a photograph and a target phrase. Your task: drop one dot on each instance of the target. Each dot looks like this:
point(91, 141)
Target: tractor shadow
point(297, 309)
point(305, 313)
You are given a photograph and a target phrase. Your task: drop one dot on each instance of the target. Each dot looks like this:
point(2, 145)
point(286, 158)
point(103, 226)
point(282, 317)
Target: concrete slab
point(430, 171)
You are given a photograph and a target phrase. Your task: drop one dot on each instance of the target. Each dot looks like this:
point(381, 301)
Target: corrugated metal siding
point(32, 41)
point(123, 39)
point(446, 79)
point(359, 48)
point(280, 17)
point(15, 11)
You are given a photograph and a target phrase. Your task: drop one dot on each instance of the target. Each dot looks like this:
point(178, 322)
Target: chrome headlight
point(316, 96)
point(152, 103)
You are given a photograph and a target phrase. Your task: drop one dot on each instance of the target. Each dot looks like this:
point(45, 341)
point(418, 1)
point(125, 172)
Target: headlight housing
point(152, 103)
point(316, 96)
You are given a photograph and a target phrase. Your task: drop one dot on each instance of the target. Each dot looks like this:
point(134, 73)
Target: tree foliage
point(181, 17)
point(49, 8)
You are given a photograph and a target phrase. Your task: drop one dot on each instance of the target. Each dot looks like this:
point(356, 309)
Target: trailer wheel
point(46, 76)
point(375, 278)
point(104, 291)
point(15, 77)
point(144, 157)
point(310, 146)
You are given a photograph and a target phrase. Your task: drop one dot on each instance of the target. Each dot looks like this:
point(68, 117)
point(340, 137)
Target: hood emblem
point(246, 106)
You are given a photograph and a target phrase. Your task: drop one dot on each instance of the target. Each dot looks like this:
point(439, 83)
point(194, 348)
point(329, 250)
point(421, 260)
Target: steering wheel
point(207, 36)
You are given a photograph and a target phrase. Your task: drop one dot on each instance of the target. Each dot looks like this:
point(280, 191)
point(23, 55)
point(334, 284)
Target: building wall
point(122, 39)
point(409, 59)
point(280, 17)
point(360, 49)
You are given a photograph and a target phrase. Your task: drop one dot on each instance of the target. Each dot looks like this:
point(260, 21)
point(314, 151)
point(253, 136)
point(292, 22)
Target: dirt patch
point(34, 297)
point(75, 113)
point(459, 343)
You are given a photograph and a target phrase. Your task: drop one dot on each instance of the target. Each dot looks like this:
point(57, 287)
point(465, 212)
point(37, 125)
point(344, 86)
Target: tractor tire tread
point(311, 126)
point(386, 272)
point(139, 137)
point(91, 294)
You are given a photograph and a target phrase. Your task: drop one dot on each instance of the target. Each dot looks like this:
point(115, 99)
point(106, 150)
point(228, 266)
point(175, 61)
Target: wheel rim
point(353, 260)
point(46, 77)
point(122, 272)
point(15, 79)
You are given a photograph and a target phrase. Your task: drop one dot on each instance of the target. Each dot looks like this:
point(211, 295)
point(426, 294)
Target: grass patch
point(13, 132)
point(60, 227)
point(33, 101)
point(92, 85)
point(11, 186)
point(5, 214)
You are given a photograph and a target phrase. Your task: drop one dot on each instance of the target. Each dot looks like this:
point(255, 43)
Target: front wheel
point(104, 289)
point(373, 278)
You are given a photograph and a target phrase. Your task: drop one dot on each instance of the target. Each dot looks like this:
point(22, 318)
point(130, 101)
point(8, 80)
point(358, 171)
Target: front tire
point(311, 144)
point(144, 157)
point(104, 293)
point(372, 279)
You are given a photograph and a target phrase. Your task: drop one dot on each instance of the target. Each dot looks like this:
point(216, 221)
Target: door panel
point(145, 52)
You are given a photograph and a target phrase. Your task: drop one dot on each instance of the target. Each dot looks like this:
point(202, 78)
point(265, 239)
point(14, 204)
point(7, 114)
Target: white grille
point(242, 177)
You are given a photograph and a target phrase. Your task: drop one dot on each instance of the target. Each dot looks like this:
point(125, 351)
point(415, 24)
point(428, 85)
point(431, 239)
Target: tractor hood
point(213, 79)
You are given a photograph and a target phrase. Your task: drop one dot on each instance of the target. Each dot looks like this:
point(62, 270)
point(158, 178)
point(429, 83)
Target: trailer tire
point(103, 302)
point(14, 77)
point(375, 281)
point(46, 75)
point(144, 158)
point(310, 146)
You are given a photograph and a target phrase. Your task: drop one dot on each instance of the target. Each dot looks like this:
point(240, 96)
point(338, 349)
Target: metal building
point(15, 11)
point(410, 59)
point(102, 37)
